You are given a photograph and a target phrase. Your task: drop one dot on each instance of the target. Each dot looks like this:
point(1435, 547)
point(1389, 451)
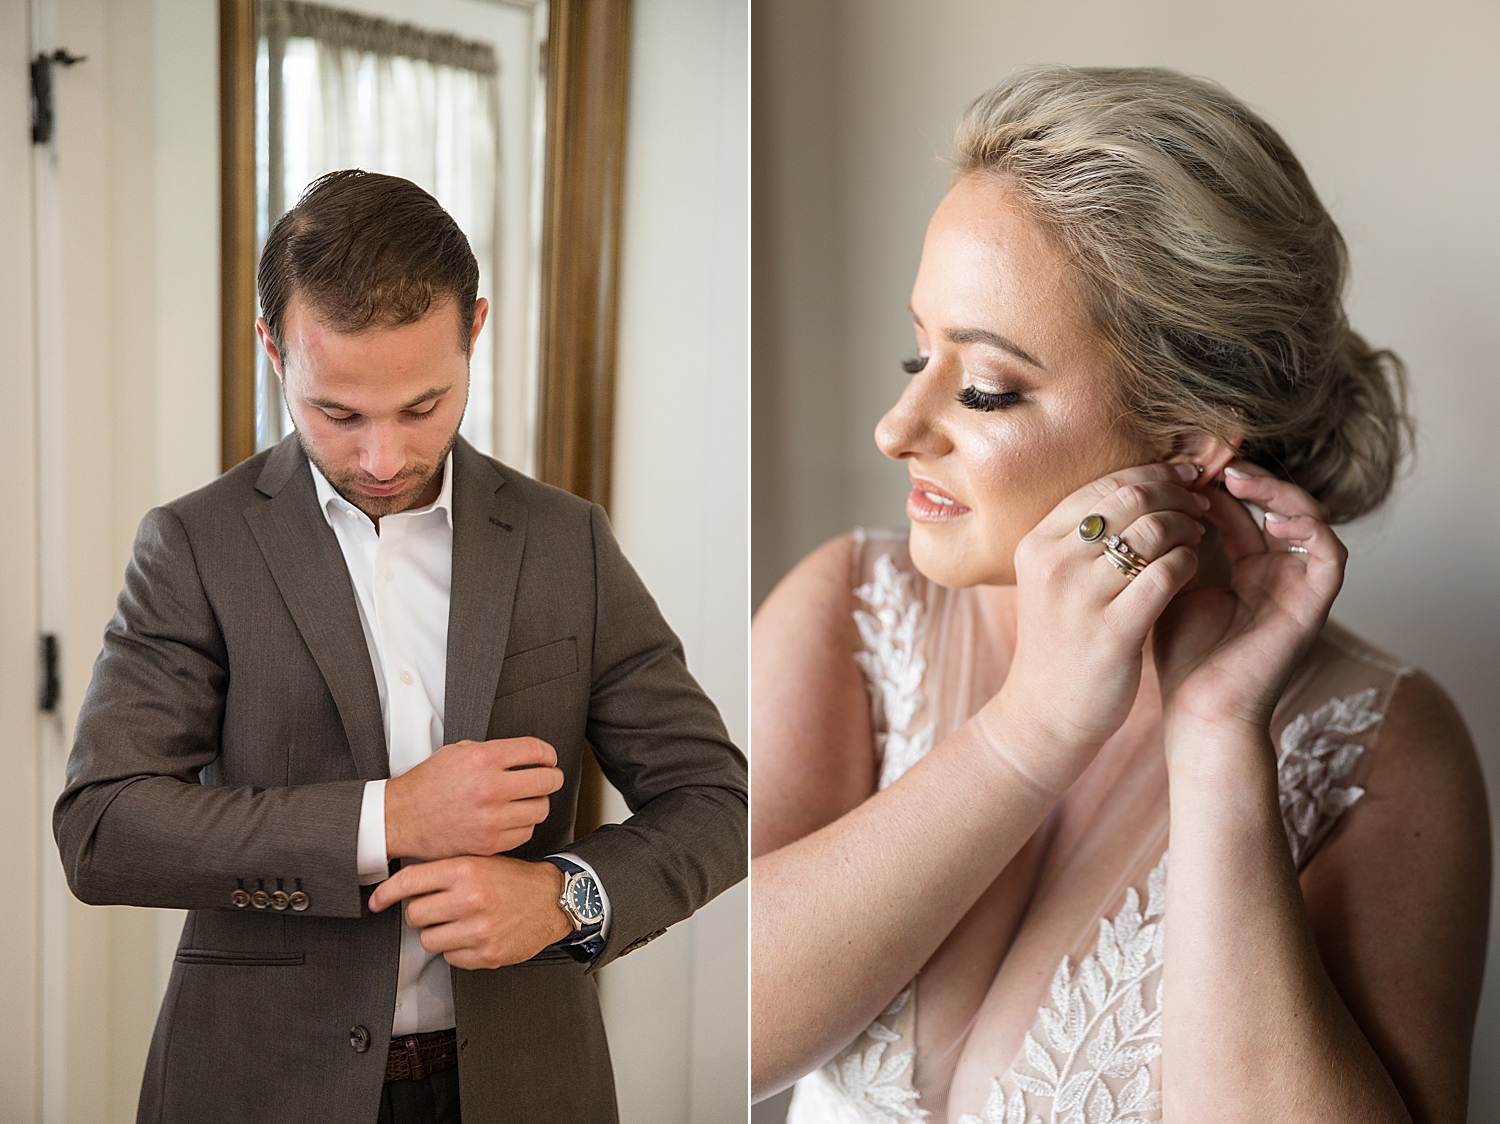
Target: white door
point(21, 824)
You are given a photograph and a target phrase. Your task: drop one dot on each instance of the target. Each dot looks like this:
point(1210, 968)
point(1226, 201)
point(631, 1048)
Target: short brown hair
point(367, 250)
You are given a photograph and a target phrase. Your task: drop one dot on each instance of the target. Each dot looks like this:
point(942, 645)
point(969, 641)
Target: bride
point(975, 741)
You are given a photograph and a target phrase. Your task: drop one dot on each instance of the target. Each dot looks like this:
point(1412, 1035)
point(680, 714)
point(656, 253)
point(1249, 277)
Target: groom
point(354, 679)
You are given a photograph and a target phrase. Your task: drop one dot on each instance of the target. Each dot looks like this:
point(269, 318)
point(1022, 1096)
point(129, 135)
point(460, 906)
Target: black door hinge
point(50, 679)
point(41, 91)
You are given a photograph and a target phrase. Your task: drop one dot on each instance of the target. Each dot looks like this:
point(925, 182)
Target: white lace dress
point(1070, 1030)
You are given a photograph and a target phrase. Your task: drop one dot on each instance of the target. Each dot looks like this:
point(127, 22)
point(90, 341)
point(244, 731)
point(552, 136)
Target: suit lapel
point(308, 567)
point(489, 538)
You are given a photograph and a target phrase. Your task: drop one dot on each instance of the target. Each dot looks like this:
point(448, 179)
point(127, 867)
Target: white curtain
point(352, 91)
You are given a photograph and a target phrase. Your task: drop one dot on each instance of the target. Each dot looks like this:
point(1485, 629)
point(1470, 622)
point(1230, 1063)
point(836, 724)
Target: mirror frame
point(588, 54)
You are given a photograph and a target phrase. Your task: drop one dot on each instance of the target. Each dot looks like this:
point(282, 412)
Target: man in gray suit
point(346, 676)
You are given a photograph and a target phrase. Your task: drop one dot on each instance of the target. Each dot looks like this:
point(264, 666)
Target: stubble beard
point(377, 507)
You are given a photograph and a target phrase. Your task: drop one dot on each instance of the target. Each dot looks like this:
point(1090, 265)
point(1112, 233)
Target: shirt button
point(388, 573)
point(405, 676)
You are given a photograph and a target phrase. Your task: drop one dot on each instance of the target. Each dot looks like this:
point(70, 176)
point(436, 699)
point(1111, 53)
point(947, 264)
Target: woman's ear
point(1208, 452)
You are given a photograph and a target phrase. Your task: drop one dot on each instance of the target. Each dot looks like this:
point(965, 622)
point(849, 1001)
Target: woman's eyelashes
point(970, 396)
point(984, 400)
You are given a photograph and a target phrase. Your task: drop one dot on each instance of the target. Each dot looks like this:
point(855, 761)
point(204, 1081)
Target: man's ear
point(263, 331)
point(1208, 452)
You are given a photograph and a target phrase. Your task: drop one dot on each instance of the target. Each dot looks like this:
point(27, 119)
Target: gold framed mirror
point(575, 269)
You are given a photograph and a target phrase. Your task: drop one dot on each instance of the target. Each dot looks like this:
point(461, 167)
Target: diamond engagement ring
point(1126, 560)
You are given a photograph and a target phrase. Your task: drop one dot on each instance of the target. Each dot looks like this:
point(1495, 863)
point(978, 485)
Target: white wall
point(677, 1010)
point(1394, 109)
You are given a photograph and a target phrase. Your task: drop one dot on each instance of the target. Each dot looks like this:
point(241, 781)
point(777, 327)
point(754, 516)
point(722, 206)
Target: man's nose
point(384, 454)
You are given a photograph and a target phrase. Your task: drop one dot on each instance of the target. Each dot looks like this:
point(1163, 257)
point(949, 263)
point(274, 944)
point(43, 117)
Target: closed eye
point(985, 401)
point(913, 365)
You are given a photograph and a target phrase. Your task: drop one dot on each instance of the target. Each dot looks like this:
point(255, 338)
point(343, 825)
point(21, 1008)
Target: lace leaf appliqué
point(878, 1086)
point(1097, 1027)
point(893, 666)
point(1313, 756)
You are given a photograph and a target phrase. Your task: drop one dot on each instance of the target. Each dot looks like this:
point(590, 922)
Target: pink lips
point(930, 504)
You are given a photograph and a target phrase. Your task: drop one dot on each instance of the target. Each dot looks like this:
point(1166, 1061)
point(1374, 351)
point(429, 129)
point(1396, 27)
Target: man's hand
point(470, 798)
point(480, 912)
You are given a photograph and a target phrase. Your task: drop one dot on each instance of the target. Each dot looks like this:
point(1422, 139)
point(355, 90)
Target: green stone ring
point(1092, 528)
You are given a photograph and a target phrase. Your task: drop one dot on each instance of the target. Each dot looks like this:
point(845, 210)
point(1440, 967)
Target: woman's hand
point(1082, 625)
point(1225, 655)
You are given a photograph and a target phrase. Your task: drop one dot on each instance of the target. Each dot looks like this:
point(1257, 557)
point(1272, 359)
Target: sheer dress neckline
point(1070, 1029)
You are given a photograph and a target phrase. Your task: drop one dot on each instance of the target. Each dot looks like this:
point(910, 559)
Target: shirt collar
point(330, 500)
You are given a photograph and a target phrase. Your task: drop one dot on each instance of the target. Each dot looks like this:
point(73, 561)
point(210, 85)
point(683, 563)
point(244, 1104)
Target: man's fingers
point(530, 812)
point(418, 878)
point(458, 933)
point(442, 907)
point(526, 784)
point(522, 753)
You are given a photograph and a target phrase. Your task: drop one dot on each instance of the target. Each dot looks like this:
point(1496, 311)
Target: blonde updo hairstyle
point(1211, 268)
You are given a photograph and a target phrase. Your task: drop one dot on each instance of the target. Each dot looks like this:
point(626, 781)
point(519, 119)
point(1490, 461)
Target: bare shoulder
point(1423, 727)
point(811, 755)
point(1398, 898)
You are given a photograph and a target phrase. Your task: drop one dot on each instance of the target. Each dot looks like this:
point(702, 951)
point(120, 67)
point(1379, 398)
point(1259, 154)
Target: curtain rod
point(337, 27)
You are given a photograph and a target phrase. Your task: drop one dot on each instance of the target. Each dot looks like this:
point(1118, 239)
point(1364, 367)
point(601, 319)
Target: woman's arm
point(1256, 1028)
point(1351, 996)
point(853, 895)
point(853, 892)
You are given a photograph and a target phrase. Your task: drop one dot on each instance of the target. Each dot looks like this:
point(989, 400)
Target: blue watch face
point(583, 896)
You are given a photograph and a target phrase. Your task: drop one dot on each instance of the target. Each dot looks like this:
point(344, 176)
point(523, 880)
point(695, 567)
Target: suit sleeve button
point(239, 899)
point(260, 899)
point(359, 1038)
point(279, 899)
point(298, 900)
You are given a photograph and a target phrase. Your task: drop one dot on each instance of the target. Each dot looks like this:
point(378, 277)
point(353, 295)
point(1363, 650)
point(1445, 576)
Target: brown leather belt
point(416, 1055)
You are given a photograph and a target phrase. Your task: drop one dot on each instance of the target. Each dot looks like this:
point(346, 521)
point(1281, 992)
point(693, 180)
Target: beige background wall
point(109, 312)
point(1393, 107)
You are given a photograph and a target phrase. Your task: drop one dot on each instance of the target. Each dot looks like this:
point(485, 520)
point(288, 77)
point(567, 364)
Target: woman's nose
point(911, 427)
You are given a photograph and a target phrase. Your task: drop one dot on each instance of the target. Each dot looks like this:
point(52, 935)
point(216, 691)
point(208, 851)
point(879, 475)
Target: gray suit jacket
point(226, 738)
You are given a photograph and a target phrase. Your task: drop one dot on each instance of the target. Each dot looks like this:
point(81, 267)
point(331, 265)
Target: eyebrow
point(993, 339)
point(330, 404)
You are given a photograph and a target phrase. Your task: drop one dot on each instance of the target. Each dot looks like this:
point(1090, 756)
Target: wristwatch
point(584, 906)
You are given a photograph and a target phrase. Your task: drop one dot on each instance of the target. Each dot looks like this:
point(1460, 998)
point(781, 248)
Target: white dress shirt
point(403, 577)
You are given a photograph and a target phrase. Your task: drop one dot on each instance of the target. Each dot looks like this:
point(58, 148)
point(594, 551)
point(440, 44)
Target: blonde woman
point(975, 742)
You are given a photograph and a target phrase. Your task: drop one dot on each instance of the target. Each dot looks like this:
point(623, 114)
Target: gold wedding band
point(1123, 558)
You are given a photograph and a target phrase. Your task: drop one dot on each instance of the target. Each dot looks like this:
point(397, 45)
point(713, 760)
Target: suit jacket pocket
point(537, 665)
point(239, 959)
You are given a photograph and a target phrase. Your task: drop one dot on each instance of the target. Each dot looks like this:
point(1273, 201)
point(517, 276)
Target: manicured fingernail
point(1236, 473)
point(1272, 517)
point(1186, 471)
point(1203, 501)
